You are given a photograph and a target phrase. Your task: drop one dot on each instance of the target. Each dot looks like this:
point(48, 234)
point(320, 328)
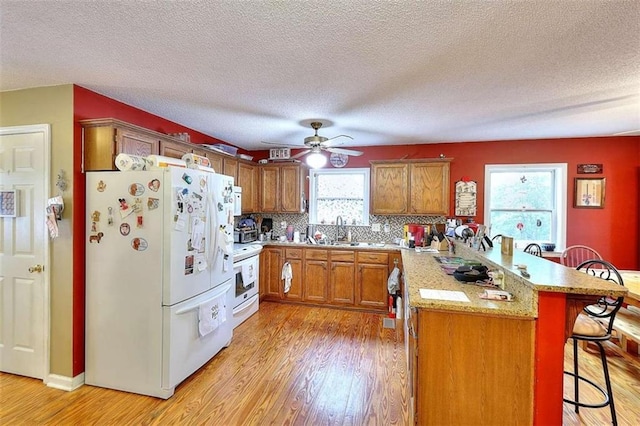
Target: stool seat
point(589, 327)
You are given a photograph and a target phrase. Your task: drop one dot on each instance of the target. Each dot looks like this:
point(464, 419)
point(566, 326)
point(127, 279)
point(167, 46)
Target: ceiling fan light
point(315, 160)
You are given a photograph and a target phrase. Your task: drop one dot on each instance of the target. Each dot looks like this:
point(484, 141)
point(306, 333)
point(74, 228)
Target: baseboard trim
point(65, 383)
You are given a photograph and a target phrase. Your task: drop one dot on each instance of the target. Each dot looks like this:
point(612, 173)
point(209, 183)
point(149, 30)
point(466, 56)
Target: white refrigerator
point(159, 270)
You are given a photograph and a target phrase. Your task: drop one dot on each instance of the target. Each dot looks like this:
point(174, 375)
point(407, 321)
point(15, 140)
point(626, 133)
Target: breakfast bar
point(478, 361)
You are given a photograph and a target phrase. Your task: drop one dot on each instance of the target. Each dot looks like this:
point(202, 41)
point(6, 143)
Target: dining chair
point(573, 256)
point(533, 249)
point(595, 324)
point(497, 238)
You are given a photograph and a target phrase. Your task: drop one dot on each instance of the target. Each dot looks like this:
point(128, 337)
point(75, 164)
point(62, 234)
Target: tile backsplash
point(359, 233)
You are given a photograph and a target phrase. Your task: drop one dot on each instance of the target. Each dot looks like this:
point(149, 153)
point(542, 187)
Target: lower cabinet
point(373, 273)
point(342, 278)
point(334, 277)
point(316, 276)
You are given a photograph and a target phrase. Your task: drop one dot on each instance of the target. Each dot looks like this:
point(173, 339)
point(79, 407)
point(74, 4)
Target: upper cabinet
point(410, 187)
point(248, 179)
point(104, 139)
point(282, 188)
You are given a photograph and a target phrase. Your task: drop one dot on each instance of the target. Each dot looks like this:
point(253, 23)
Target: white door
point(24, 318)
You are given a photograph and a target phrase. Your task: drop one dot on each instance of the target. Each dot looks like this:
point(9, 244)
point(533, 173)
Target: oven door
point(246, 289)
point(246, 277)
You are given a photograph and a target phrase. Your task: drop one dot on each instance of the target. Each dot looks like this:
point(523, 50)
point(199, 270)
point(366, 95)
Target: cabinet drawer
point(316, 254)
point(342, 255)
point(293, 253)
point(373, 257)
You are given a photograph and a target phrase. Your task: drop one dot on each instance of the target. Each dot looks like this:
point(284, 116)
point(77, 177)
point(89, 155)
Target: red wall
point(613, 231)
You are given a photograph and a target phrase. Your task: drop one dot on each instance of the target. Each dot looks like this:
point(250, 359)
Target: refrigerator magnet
point(139, 222)
point(110, 216)
point(188, 264)
point(136, 189)
point(101, 186)
point(154, 185)
point(139, 244)
point(187, 178)
point(153, 203)
point(125, 229)
point(96, 238)
point(95, 216)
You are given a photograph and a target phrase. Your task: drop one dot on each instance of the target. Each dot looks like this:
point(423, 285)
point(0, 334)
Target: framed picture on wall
point(589, 193)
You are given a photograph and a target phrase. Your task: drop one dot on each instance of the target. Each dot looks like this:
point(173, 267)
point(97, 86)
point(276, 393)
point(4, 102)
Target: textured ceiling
point(384, 72)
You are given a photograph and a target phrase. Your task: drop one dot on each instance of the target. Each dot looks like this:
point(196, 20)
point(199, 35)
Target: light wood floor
point(287, 364)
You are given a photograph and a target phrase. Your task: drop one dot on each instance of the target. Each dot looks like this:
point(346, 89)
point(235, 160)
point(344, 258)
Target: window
point(343, 192)
point(527, 202)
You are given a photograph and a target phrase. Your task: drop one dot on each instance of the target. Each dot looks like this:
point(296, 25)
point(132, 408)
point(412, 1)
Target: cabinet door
point(290, 189)
point(315, 281)
point(248, 180)
point(271, 272)
point(129, 142)
point(371, 291)
point(389, 188)
point(342, 283)
point(174, 149)
point(429, 188)
point(230, 167)
point(216, 162)
point(269, 187)
point(295, 291)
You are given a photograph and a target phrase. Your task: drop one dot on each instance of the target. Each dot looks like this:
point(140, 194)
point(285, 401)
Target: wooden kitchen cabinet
point(342, 277)
point(282, 188)
point(294, 257)
point(174, 149)
point(410, 187)
point(104, 139)
point(316, 276)
point(372, 276)
point(248, 179)
point(230, 167)
point(389, 188)
point(270, 273)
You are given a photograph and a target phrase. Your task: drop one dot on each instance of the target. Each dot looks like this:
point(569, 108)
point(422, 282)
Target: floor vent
point(388, 323)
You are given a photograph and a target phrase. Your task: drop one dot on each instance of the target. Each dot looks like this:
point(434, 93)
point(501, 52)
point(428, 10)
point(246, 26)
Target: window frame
point(313, 195)
point(559, 225)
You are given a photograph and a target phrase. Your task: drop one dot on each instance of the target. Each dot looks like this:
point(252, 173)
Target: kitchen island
point(491, 362)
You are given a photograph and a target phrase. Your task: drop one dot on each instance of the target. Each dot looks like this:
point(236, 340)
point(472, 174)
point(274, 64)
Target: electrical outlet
point(283, 225)
point(375, 227)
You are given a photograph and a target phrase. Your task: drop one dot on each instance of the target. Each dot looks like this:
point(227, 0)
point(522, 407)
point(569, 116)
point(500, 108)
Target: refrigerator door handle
point(213, 230)
point(196, 305)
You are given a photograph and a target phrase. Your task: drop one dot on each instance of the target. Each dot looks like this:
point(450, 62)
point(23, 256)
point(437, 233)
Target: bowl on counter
point(548, 246)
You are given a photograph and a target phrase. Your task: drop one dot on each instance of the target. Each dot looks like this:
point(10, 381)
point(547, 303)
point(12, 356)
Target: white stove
point(246, 263)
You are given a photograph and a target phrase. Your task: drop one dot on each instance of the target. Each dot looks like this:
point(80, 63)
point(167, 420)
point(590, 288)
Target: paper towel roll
point(160, 161)
point(195, 160)
point(126, 162)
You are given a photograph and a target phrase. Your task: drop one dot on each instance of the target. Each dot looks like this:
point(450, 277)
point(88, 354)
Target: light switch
point(375, 227)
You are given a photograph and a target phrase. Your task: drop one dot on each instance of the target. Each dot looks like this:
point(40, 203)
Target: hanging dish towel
point(211, 314)
point(247, 274)
point(393, 283)
point(287, 275)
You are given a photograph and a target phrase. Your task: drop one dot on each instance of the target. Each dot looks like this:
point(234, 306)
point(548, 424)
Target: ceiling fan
point(316, 144)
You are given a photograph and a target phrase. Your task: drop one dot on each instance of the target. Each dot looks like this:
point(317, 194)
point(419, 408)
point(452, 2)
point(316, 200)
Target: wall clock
point(338, 160)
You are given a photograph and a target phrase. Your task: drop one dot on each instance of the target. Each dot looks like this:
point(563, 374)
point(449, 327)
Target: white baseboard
point(65, 383)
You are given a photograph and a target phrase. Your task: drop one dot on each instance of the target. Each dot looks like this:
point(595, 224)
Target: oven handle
point(196, 305)
point(244, 308)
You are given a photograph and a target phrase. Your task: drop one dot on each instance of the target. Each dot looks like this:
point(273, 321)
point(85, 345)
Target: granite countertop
point(423, 271)
point(546, 275)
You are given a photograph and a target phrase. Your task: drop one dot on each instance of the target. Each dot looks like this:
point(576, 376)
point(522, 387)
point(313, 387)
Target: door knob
point(37, 268)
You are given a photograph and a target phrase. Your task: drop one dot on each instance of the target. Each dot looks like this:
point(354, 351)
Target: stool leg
point(607, 380)
point(575, 377)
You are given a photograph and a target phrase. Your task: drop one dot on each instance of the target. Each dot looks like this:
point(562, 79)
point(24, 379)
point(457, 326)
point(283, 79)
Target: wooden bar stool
point(595, 324)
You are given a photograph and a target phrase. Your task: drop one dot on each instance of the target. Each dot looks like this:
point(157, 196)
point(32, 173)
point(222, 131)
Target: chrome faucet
point(339, 223)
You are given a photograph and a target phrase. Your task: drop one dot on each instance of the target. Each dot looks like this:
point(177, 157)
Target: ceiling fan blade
point(339, 136)
point(345, 151)
point(300, 154)
point(281, 145)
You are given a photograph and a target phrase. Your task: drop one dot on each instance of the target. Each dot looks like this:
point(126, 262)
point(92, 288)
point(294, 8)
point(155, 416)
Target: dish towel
point(287, 275)
point(211, 315)
point(248, 275)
